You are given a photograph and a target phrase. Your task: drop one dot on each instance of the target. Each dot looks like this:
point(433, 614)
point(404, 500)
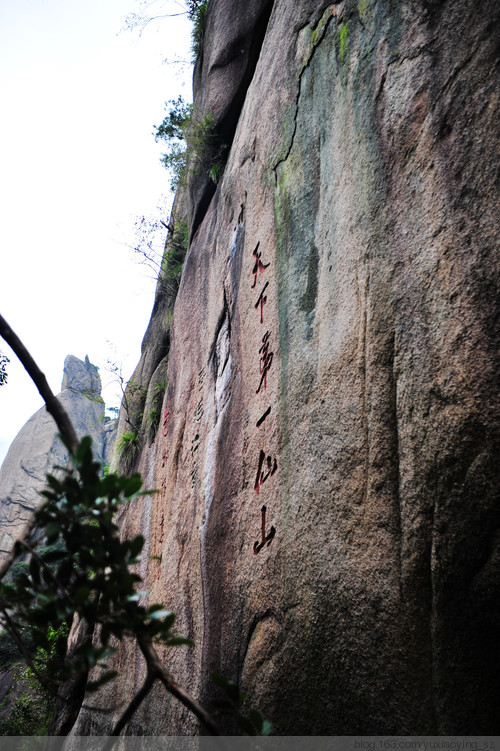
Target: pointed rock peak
point(81, 375)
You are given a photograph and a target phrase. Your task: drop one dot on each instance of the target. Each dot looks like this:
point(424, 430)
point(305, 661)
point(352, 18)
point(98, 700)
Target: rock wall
point(37, 449)
point(327, 455)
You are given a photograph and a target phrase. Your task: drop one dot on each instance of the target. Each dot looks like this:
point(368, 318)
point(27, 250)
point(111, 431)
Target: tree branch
point(54, 407)
point(131, 709)
point(156, 668)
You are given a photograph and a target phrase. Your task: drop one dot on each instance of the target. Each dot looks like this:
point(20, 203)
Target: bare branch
point(131, 710)
point(54, 407)
point(156, 668)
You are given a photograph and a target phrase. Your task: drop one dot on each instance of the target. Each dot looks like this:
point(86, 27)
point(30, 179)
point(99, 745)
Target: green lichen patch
point(318, 33)
point(362, 6)
point(343, 41)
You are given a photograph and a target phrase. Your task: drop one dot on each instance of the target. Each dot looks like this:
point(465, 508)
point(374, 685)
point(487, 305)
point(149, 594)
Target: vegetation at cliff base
point(80, 570)
point(91, 573)
point(31, 702)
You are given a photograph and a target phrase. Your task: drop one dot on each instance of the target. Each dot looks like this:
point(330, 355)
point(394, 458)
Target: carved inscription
point(267, 464)
point(261, 419)
point(266, 468)
point(164, 429)
point(265, 539)
point(259, 266)
point(262, 299)
point(195, 442)
point(265, 362)
point(163, 492)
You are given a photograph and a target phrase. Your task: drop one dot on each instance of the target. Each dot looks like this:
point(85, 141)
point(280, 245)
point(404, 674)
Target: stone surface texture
point(331, 376)
point(37, 449)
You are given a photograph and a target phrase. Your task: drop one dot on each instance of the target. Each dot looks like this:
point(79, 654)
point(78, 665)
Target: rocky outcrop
point(37, 448)
point(327, 525)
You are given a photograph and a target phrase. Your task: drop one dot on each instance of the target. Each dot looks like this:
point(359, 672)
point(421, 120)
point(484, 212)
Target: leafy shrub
point(197, 10)
point(31, 700)
point(191, 141)
point(128, 446)
point(154, 414)
point(90, 572)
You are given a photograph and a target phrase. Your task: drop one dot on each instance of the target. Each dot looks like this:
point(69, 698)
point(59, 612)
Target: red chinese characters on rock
point(164, 429)
point(265, 362)
point(267, 464)
point(258, 266)
point(265, 539)
point(261, 300)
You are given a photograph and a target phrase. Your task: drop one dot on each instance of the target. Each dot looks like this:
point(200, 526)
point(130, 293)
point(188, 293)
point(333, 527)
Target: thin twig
point(131, 709)
point(54, 407)
point(156, 668)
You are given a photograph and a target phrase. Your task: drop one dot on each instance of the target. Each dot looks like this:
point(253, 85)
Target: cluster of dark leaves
point(89, 572)
point(197, 10)
point(173, 130)
point(231, 705)
point(84, 568)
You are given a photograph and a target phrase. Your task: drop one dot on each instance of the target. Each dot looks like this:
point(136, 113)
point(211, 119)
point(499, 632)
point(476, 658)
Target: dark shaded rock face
point(37, 449)
point(328, 521)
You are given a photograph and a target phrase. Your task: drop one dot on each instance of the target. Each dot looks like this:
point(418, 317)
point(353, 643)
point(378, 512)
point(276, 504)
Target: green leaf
point(177, 641)
point(61, 646)
point(53, 555)
point(219, 680)
point(256, 719)
point(228, 686)
point(266, 728)
point(83, 450)
point(167, 614)
point(246, 725)
point(132, 485)
point(136, 545)
point(55, 484)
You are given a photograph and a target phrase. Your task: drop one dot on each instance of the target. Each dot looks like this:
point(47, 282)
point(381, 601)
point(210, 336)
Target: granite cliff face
point(327, 453)
point(37, 449)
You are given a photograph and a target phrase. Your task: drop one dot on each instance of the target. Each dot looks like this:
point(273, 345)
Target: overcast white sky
point(78, 164)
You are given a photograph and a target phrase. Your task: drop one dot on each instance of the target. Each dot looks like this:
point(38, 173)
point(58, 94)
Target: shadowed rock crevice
point(221, 80)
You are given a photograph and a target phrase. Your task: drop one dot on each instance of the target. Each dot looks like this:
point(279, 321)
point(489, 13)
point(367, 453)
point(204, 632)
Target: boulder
point(327, 521)
point(37, 448)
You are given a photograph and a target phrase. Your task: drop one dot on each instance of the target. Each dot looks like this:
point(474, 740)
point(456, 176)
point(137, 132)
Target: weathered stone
point(37, 449)
point(331, 376)
point(223, 71)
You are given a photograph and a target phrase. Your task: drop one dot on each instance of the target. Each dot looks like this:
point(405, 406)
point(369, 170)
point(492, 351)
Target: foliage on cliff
point(191, 142)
